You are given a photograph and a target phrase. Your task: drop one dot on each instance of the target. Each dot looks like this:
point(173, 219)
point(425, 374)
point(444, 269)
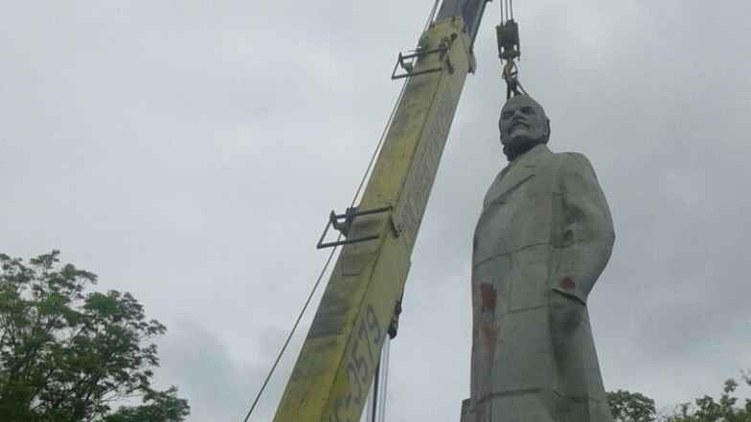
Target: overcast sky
point(189, 153)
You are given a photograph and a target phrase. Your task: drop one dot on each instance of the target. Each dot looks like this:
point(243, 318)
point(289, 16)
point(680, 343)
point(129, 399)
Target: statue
point(544, 236)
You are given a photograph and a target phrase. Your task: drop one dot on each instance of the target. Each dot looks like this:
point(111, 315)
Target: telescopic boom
point(336, 366)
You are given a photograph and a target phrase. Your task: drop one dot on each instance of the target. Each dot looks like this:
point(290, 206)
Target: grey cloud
point(218, 382)
point(190, 155)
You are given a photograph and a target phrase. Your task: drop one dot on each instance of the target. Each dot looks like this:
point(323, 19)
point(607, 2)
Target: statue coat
point(544, 236)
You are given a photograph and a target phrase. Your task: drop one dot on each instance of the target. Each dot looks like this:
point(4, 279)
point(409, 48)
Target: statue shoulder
point(574, 161)
point(575, 168)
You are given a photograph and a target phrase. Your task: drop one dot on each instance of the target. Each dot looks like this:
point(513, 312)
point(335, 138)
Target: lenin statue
point(544, 236)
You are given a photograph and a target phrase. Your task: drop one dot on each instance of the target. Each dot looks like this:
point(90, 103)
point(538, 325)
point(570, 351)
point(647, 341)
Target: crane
point(360, 306)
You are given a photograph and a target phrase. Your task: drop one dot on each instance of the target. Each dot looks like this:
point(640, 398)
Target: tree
point(631, 407)
point(707, 409)
point(636, 407)
point(67, 355)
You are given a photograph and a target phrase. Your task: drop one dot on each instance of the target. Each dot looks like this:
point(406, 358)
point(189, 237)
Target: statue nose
point(517, 119)
point(516, 114)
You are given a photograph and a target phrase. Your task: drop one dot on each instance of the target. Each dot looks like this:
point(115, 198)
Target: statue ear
point(547, 130)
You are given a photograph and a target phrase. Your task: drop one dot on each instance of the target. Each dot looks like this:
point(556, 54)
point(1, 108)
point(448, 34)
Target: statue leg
point(578, 392)
point(519, 376)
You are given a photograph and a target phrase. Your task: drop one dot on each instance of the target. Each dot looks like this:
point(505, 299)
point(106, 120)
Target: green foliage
point(160, 406)
point(631, 407)
point(67, 355)
point(707, 409)
point(635, 407)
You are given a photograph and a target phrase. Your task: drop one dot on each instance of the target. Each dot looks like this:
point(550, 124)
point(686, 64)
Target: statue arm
point(583, 232)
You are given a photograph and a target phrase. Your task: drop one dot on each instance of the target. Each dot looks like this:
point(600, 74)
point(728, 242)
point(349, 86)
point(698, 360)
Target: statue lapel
point(516, 175)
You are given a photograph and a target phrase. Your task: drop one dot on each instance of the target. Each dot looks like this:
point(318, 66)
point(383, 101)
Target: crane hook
point(509, 51)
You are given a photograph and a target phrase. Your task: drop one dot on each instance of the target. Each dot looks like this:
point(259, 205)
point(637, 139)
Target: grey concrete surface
point(544, 236)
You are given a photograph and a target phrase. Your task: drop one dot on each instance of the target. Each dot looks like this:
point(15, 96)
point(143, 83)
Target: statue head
point(523, 125)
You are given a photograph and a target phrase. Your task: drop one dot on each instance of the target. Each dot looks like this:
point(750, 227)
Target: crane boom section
point(334, 371)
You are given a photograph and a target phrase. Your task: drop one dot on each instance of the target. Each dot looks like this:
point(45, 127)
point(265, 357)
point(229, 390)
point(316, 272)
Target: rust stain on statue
point(568, 284)
point(488, 340)
point(487, 292)
point(486, 347)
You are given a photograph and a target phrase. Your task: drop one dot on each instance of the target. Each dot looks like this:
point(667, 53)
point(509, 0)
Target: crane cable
point(509, 49)
point(509, 15)
point(329, 259)
point(431, 16)
point(355, 198)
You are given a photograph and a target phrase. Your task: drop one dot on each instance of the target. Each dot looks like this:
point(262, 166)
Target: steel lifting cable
point(355, 197)
point(507, 13)
point(329, 259)
point(431, 16)
point(508, 49)
point(291, 333)
point(511, 8)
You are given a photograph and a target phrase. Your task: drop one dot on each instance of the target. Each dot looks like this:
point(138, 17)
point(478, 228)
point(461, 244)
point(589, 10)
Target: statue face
point(523, 122)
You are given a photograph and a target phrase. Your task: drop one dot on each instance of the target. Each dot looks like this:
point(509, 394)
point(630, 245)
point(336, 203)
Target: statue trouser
point(536, 365)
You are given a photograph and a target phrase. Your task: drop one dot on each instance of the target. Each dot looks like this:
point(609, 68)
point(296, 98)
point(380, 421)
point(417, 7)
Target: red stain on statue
point(568, 284)
point(487, 292)
point(488, 343)
point(488, 326)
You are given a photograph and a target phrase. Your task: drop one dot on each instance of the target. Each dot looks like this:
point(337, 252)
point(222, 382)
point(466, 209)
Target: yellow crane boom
point(338, 360)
